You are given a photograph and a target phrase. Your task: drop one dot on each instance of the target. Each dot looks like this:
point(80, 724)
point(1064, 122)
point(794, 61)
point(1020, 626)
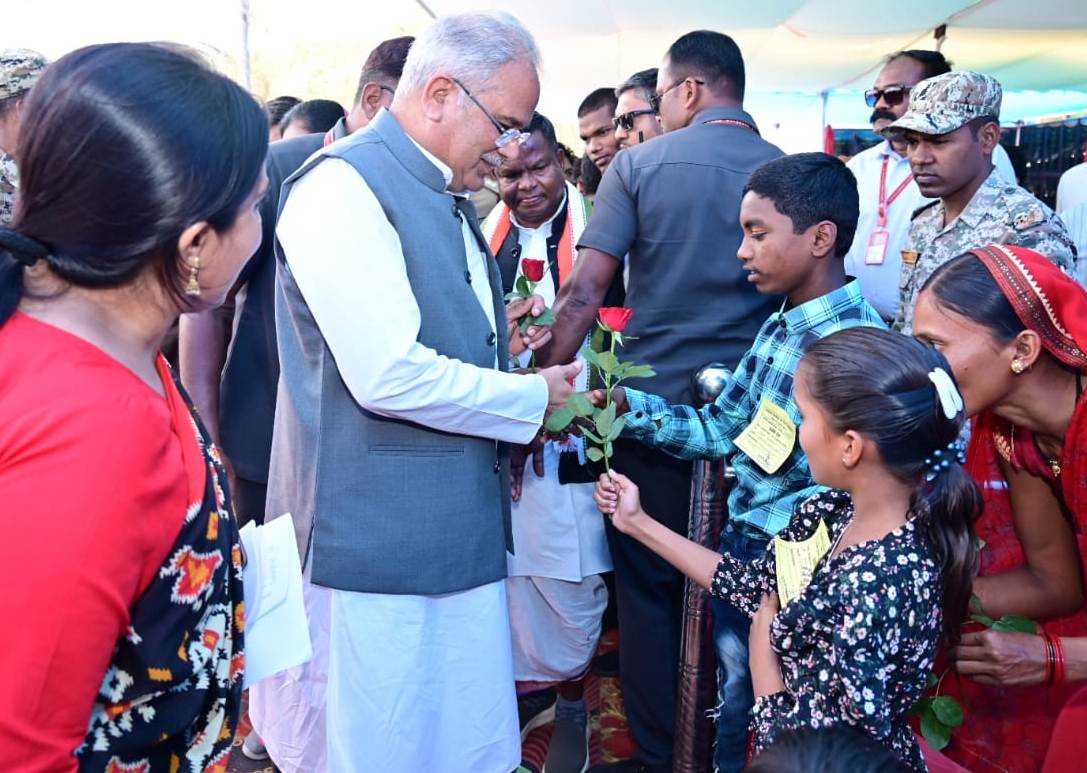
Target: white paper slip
point(276, 628)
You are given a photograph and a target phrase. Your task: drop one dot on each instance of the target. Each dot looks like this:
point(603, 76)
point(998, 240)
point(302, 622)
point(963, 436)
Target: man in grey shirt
point(673, 204)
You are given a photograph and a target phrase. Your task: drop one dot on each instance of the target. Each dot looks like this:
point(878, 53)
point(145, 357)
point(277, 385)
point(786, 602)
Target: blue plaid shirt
point(760, 504)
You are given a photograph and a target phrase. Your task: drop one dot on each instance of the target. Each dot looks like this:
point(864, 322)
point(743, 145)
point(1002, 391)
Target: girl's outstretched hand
point(618, 498)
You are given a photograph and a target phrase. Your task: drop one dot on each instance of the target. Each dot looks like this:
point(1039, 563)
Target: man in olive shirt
point(673, 204)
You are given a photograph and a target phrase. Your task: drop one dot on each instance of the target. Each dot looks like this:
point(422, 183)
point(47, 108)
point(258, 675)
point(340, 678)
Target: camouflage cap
point(19, 68)
point(946, 102)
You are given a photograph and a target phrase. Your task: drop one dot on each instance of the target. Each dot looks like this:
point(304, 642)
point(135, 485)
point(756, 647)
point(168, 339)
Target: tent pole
point(247, 69)
point(426, 9)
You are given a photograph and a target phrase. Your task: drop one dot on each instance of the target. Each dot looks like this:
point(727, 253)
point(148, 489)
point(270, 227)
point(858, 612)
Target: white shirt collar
point(513, 217)
point(886, 149)
point(447, 173)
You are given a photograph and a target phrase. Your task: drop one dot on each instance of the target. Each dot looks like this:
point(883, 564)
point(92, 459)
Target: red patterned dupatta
point(1051, 304)
point(1008, 729)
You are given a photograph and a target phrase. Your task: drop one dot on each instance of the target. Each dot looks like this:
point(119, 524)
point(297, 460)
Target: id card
point(796, 562)
point(769, 438)
point(877, 247)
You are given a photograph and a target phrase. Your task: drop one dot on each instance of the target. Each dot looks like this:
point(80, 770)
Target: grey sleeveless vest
point(384, 505)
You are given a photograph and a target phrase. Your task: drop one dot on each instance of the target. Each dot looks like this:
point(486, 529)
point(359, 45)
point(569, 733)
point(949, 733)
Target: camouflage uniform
point(999, 212)
point(19, 68)
point(9, 183)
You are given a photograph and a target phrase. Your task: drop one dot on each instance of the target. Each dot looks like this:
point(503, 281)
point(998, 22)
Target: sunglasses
point(506, 135)
point(892, 95)
point(625, 121)
point(655, 98)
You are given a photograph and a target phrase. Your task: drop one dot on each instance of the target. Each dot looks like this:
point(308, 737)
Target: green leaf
point(523, 286)
point(618, 338)
point(559, 420)
point(931, 681)
point(511, 296)
point(547, 317)
point(616, 428)
point(590, 435)
point(591, 357)
point(604, 420)
point(947, 710)
point(580, 405)
point(608, 450)
point(935, 732)
point(975, 604)
point(639, 371)
point(594, 453)
point(984, 620)
point(922, 706)
point(607, 362)
point(1015, 624)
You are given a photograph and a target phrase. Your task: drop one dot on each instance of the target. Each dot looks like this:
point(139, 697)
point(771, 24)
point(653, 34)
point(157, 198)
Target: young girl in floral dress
point(881, 420)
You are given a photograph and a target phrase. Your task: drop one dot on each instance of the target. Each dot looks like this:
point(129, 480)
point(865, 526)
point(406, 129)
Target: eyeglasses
point(389, 89)
point(625, 121)
point(892, 95)
point(506, 135)
point(655, 99)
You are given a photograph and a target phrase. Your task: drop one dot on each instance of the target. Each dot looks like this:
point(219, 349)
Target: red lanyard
point(885, 202)
point(732, 122)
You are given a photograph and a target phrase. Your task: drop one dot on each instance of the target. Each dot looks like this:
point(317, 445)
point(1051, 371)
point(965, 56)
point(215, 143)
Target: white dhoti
point(396, 684)
point(555, 626)
point(556, 595)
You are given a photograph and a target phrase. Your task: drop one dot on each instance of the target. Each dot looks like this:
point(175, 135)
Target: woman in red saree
point(1014, 329)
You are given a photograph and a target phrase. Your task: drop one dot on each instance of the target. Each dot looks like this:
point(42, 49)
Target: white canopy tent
point(803, 56)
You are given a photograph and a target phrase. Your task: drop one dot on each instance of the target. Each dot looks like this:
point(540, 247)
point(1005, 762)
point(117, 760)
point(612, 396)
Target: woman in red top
point(141, 173)
point(1014, 328)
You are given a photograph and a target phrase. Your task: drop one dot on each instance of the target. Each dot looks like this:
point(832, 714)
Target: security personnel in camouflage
point(950, 132)
point(19, 68)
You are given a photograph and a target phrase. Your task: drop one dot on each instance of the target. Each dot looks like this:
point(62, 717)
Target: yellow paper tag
point(796, 562)
point(769, 438)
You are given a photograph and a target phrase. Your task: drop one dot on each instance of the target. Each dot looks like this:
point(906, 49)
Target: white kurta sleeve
point(347, 260)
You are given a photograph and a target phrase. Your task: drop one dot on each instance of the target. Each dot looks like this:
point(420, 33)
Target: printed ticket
point(796, 562)
point(769, 438)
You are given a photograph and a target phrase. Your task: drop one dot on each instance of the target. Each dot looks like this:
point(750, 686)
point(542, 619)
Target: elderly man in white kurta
point(391, 419)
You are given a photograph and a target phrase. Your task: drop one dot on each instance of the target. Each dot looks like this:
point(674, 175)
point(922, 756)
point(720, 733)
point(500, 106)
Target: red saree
point(1009, 729)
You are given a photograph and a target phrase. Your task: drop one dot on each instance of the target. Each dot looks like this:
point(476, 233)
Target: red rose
point(532, 269)
point(615, 318)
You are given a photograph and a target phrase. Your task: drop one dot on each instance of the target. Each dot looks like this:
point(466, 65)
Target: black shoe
point(568, 751)
point(535, 709)
point(606, 665)
point(623, 766)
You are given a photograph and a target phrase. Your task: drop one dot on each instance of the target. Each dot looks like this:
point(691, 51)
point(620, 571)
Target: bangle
point(1051, 659)
point(1058, 676)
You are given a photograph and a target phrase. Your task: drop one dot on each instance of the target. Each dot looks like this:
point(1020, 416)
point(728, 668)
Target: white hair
point(470, 47)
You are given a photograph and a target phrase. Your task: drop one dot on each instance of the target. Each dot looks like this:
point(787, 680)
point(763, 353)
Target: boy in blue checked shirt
point(799, 215)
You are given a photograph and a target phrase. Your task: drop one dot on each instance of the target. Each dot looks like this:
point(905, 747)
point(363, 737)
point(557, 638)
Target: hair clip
point(950, 399)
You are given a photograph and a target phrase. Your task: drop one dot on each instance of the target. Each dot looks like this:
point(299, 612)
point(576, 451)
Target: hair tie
point(23, 248)
point(950, 399)
point(939, 461)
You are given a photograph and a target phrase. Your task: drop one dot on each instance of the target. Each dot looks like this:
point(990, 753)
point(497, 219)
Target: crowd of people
point(906, 339)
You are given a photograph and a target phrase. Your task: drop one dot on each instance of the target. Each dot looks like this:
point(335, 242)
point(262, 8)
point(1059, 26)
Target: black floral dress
point(171, 696)
point(856, 647)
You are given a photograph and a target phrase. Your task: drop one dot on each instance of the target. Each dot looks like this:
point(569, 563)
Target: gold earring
point(1018, 367)
point(192, 287)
